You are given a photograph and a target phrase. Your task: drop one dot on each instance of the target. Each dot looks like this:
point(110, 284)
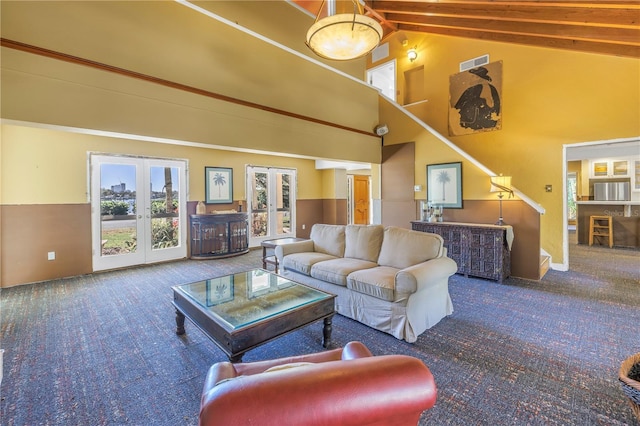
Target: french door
point(271, 203)
point(138, 207)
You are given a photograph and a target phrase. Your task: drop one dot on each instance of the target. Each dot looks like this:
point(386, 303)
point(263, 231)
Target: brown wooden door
point(360, 200)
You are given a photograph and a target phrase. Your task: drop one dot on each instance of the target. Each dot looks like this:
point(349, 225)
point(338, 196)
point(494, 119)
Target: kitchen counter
point(626, 221)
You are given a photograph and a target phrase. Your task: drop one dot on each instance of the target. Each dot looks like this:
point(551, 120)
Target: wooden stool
point(600, 226)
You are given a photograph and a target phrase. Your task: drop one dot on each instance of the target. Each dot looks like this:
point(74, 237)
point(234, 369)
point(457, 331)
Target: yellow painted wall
point(41, 166)
point(431, 150)
point(169, 41)
point(550, 98)
point(278, 21)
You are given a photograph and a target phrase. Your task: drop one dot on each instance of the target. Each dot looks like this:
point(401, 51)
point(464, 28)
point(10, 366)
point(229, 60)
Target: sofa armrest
point(217, 373)
point(355, 350)
point(392, 389)
point(297, 247)
point(227, 370)
point(428, 273)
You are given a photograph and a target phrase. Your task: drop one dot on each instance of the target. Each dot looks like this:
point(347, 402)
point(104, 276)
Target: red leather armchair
point(346, 386)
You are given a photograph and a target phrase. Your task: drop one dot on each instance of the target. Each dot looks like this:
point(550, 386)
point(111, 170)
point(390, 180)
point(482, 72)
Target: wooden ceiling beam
point(380, 18)
point(538, 41)
point(610, 27)
point(519, 11)
point(625, 36)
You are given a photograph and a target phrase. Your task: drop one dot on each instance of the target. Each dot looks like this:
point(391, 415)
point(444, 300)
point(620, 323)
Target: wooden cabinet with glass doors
point(218, 235)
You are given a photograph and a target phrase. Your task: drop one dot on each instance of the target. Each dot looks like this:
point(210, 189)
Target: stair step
point(545, 264)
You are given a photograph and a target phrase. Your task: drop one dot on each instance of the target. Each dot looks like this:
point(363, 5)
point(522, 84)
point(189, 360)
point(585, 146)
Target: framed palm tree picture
point(444, 185)
point(218, 185)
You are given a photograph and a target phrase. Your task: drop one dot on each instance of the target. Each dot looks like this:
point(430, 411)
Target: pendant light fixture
point(343, 36)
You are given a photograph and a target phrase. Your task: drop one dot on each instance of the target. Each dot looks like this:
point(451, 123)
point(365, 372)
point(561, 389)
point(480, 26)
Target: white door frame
point(143, 224)
point(383, 77)
point(272, 208)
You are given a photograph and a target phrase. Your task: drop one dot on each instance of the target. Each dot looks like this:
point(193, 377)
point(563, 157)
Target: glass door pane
point(118, 209)
point(165, 218)
point(116, 226)
point(572, 207)
point(283, 203)
point(271, 196)
point(258, 204)
point(165, 204)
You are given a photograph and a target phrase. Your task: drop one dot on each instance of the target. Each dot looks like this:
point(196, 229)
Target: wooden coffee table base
point(179, 323)
point(237, 357)
point(326, 331)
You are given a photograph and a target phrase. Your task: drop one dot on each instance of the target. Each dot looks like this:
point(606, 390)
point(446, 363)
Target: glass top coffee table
point(244, 310)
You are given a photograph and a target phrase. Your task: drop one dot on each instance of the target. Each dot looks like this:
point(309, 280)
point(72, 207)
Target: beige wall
point(550, 97)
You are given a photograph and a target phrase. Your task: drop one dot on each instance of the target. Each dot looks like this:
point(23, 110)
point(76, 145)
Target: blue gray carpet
point(102, 350)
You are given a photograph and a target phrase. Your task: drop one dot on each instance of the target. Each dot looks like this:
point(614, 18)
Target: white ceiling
point(325, 164)
point(604, 150)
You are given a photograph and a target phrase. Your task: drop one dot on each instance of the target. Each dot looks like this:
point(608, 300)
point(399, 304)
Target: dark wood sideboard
point(219, 235)
point(479, 250)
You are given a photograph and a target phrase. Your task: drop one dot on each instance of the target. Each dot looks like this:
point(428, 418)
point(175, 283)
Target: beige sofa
point(392, 279)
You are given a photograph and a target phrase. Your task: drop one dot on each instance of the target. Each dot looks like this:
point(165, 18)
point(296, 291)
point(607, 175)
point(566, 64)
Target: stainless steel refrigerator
point(611, 191)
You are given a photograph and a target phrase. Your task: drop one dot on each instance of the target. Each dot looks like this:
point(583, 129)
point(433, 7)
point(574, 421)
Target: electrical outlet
point(548, 188)
point(51, 255)
point(304, 226)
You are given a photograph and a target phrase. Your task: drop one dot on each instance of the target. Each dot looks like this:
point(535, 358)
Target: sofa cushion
point(302, 262)
point(336, 271)
point(378, 282)
point(328, 239)
point(402, 248)
point(363, 242)
point(288, 366)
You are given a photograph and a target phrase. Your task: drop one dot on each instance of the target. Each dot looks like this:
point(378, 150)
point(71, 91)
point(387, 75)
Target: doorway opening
point(383, 77)
point(579, 159)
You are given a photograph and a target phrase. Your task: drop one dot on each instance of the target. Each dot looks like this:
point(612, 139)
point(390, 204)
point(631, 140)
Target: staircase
point(545, 261)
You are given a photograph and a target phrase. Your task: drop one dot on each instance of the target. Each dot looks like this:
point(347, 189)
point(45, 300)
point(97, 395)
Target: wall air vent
point(474, 63)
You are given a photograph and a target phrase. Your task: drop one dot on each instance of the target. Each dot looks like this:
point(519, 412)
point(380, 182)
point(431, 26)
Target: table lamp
point(501, 184)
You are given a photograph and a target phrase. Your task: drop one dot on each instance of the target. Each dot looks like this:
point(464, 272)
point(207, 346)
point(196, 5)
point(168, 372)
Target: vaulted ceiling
point(610, 27)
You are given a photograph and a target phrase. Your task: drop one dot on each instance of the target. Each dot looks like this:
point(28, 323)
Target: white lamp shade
point(500, 184)
point(344, 36)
